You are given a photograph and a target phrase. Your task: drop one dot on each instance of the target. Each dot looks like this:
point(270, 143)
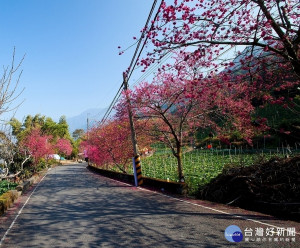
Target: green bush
point(5, 186)
point(41, 165)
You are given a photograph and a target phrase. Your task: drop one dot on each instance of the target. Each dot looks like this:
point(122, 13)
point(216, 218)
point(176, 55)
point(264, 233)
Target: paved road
point(73, 207)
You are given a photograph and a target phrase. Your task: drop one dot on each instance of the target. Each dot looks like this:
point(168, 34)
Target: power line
point(155, 66)
point(110, 108)
point(117, 96)
point(152, 69)
point(152, 25)
point(142, 36)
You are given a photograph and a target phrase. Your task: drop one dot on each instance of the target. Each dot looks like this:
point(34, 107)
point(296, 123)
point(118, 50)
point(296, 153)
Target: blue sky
point(72, 62)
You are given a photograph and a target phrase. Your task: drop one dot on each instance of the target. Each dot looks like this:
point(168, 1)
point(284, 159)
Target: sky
point(71, 59)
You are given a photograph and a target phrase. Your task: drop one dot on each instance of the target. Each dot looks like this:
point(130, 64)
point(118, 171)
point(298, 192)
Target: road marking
point(202, 206)
point(223, 212)
point(20, 211)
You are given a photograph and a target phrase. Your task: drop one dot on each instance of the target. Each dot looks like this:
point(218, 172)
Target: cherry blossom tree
point(180, 100)
point(64, 147)
point(251, 41)
point(38, 145)
point(110, 144)
point(170, 112)
point(212, 27)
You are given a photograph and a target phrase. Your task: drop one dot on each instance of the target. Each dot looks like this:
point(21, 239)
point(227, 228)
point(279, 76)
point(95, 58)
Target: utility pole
point(138, 180)
point(87, 125)
point(87, 134)
point(133, 133)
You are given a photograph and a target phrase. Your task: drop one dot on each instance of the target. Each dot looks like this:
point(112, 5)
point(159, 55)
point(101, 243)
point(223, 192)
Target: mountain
point(80, 121)
point(257, 52)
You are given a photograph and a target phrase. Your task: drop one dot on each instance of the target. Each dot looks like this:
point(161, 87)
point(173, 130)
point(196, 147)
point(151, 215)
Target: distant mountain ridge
point(80, 121)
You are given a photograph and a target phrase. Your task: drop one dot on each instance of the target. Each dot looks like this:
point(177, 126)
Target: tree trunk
point(179, 163)
point(22, 165)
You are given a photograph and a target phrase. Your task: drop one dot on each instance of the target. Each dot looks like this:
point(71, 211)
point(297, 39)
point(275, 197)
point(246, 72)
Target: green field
point(200, 166)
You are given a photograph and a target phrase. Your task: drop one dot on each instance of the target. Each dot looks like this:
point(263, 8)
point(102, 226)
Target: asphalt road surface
point(74, 207)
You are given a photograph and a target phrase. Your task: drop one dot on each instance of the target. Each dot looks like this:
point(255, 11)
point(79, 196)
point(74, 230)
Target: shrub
point(7, 199)
point(5, 186)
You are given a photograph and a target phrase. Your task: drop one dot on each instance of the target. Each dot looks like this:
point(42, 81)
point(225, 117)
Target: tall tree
point(166, 105)
point(180, 100)
point(63, 128)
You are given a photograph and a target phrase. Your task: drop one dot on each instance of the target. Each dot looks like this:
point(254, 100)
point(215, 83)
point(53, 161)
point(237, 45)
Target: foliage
point(27, 173)
point(207, 87)
point(76, 147)
point(46, 125)
point(63, 128)
point(6, 185)
point(165, 105)
point(78, 136)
